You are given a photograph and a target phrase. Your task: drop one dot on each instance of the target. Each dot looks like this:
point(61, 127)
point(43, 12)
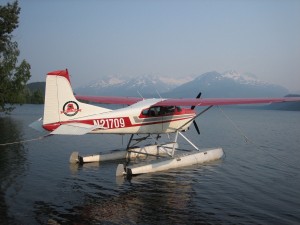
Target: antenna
point(140, 94)
point(158, 93)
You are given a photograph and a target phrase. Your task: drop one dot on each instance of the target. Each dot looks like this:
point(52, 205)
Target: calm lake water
point(256, 183)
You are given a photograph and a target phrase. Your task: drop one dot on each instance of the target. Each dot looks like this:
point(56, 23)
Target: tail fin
point(60, 103)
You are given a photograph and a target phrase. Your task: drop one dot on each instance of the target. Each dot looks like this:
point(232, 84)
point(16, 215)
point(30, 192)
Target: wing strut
point(193, 119)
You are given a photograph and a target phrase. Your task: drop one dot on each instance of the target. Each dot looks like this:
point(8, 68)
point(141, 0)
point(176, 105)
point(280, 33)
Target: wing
point(222, 101)
point(109, 99)
point(186, 101)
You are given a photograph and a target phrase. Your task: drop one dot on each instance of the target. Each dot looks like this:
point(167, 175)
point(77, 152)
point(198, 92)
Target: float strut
point(175, 140)
point(189, 141)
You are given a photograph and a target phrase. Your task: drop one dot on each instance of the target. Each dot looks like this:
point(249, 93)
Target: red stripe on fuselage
point(115, 123)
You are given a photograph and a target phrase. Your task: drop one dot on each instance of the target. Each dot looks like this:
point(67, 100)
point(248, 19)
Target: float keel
point(177, 162)
point(134, 152)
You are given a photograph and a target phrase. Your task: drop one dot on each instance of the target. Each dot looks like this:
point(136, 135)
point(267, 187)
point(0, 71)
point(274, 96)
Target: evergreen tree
point(13, 77)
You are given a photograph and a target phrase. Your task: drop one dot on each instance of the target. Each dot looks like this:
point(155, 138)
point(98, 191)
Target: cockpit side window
point(160, 111)
point(154, 111)
point(178, 109)
point(169, 109)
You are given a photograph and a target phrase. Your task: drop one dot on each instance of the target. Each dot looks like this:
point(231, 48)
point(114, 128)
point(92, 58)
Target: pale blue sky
point(162, 37)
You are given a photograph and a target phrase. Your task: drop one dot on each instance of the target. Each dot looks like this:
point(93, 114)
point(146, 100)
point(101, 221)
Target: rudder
point(60, 102)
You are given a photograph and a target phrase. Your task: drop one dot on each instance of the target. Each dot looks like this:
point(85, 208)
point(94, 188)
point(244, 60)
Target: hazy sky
point(161, 37)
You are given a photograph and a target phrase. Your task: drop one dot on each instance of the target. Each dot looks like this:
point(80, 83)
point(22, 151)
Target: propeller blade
point(196, 127)
point(198, 96)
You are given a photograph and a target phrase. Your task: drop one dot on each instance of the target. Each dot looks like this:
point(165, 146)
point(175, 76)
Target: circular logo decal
point(70, 108)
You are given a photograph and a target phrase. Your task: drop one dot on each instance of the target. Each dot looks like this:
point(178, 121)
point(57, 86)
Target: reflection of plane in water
point(148, 200)
point(144, 119)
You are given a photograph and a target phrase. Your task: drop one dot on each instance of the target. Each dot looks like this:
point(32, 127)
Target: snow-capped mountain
point(106, 82)
point(245, 78)
point(230, 84)
point(145, 85)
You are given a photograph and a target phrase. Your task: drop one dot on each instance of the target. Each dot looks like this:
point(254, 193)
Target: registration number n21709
point(110, 123)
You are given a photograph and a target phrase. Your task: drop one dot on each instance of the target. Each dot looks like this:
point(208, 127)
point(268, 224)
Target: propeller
point(196, 127)
point(194, 122)
point(198, 96)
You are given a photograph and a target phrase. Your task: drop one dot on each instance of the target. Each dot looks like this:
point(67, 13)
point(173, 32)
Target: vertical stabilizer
point(60, 102)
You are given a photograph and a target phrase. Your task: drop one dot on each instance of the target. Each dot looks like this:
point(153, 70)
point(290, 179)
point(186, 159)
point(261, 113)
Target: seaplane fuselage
point(139, 118)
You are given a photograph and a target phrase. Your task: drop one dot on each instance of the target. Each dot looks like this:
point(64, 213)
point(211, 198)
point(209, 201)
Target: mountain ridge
point(228, 84)
point(132, 86)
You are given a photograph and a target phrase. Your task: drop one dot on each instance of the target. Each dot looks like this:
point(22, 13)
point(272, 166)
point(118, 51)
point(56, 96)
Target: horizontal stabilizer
point(38, 125)
point(74, 129)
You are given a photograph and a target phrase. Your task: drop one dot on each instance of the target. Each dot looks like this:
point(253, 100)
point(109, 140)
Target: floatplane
point(143, 119)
